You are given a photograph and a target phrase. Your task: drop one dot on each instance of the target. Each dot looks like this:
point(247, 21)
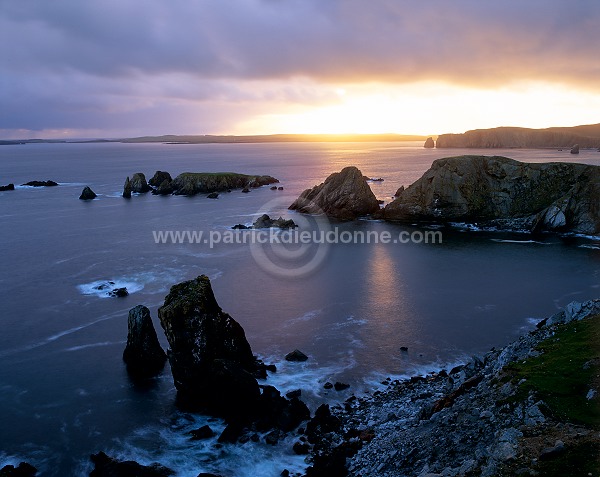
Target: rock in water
point(143, 353)
point(210, 357)
point(41, 184)
point(266, 222)
point(575, 149)
point(139, 184)
point(7, 187)
point(22, 470)
point(344, 195)
point(87, 194)
point(127, 189)
point(429, 143)
point(191, 183)
point(504, 193)
point(159, 177)
point(165, 188)
point(296, 355)
point(105, 466)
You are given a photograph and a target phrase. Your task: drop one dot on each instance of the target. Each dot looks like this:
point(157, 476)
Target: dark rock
point(575, 149)
point(301, 448)
point(552, 452)
point(404, 348)
point(323, 422)
point(264, 222)
point(328, 385)
point(375, 179)
point(276, 412)
point(22, 470)
point(41, 184)
point(207, 474)
point(87, 194)
point(504, 193)
point(210, 357)
point(240, 227)
point(119, 292)
point(143, 353)
point(231, 433)
point(190, 183)
point(212, 195)
point(272, 438)
point(139, 184)
point(285, 473)
point(204, 432)
point(159, 177)
point(294, 394)
point(105, 466)
point(127, 188)
point(274, 188)
point(245, 190)
point(7, 187)
point(296, 355)
point(344, 195)
point(429, 143)
point(281, 188)
point(399, 191)
point(165, 188)
point(340, 386)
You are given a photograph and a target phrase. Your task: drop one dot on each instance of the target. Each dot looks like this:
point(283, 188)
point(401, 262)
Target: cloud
point(79, 60)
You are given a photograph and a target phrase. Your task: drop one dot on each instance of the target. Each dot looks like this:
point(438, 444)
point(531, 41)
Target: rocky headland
point(344, 195)
point(530, 408)
point(504, 194)
point(512, 137)
point(192, 183)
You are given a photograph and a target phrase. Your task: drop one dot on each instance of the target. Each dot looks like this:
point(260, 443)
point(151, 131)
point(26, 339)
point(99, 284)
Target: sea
point(352, 307)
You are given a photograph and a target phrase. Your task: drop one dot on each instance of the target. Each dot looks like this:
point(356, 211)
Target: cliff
point(512, 137)
point(500, 192)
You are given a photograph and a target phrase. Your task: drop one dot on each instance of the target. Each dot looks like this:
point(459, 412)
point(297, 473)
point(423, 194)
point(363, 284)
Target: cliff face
point(501, 191)
point(508, 137)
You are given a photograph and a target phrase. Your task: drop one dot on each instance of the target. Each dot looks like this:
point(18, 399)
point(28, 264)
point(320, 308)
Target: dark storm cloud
point(338, 40)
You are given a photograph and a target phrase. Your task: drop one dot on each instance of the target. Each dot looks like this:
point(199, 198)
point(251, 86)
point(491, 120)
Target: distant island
point(587, 136)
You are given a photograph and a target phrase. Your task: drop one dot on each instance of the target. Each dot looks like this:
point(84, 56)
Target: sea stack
point(139, 184)
point(143, 353)
point(344, 195)
point(429, 143)
point(210, 358)
point(127, 189)
point(159, 177)
point(87, 194)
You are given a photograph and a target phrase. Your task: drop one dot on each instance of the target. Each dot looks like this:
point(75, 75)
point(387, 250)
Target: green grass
point(558, 376)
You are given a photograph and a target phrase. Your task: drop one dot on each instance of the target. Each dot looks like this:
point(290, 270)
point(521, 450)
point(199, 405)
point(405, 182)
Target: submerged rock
point(504, 193)
point(210, 358)
point(143, 353)
point(159, 177)
point(429, 143)
point(7, 187)
point(212, 195)
point(119, 292)
point(87, 194)
point(139, 184)
point(344, 195)
point(41, 184)
point(127, 189)
point(105, 466)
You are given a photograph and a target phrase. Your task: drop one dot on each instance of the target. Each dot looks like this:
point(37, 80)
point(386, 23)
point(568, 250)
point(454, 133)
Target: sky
point(123, 68)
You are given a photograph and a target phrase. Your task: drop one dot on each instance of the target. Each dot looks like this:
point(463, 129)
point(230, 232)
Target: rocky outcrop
point(192, 183)
point(344, 195)
point(7, 187)
point(210, 358)
point(575, 149)
point(429, 143)
point(143, 354)
point(505, 194)
point(159, 177)
point(266, 222)
point(508, 137)
point(22, 470)
point(41, 184)
point(165, 188)
point(127, 189)
point(139, 184)
point(87, 194)
point(105, 466)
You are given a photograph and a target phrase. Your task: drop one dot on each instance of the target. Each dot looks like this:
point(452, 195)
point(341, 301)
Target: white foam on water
point(593, 247)
point(309, 315)
point(520, 241)
point(102, 288)
point(94, 345)
point(350, 321)
point(171, 446)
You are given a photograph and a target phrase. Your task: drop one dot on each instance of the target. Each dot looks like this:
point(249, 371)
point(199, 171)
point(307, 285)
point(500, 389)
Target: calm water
point(63, 387)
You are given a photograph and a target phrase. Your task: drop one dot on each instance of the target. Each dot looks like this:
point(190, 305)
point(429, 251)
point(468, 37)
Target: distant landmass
point(587, 136)
point(202, 139)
